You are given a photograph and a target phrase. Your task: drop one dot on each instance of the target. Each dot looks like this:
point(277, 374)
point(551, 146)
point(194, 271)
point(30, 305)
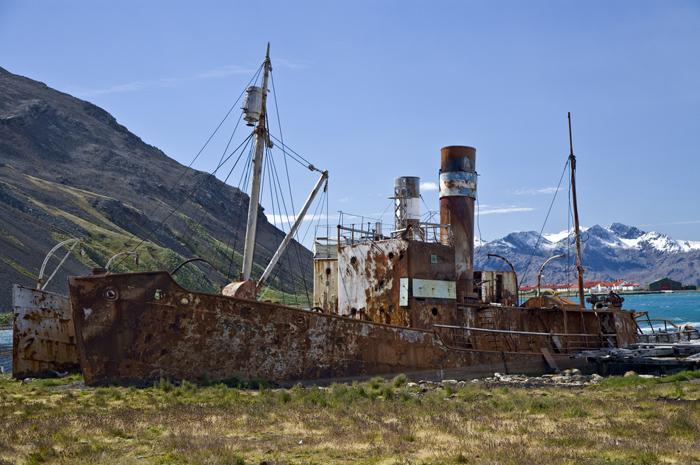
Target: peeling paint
point(43, 333)
point(137, 338)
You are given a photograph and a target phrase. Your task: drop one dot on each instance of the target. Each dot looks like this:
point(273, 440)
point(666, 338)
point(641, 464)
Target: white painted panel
point(403, 292)
point(432, 288)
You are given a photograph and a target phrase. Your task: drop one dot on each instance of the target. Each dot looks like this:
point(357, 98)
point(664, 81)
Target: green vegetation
point(285, 298)
point(621, 421)
point(5, 319)
point(19, 268)
point(103, 239)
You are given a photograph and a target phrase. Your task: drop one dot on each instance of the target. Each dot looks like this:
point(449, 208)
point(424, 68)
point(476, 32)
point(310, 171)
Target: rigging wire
point(204, 212)
point(185, 170)
point(220, 247)
point(321, 203)
point(244, 179)
point(296, 236)
point(201, 150)
point(233, 133)
point(539, 237)
point(313, 216)
point(279, 125)
point(237, 232)
point(211, 136)
point(277, 213)
point(291, 153)
point(245, 175)
point(268, 168)
point(181, 204)
point(288, 256)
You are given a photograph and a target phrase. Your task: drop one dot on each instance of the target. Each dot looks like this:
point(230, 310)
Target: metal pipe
point(457, 195)
point(292, 231)
point(539, 275)
point(517, 289)
point(526, 333)
point(261, 140)
point(113, 257)
point(41, 285)
point(189, 260)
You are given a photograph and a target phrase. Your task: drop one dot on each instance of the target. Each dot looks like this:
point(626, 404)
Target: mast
point(577, 229)
point(261, 140)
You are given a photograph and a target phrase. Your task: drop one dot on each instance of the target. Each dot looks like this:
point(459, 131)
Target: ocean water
point(681, 307)
point(678, 307)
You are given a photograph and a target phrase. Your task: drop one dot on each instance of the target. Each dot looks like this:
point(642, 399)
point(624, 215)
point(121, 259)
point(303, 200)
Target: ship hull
point(138, 327)
point(43, 336)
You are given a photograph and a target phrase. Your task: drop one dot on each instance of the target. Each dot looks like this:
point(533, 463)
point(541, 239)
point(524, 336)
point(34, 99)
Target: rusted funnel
point(457, 195)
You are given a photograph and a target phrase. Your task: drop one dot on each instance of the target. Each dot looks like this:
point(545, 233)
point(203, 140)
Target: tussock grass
point(375, 422)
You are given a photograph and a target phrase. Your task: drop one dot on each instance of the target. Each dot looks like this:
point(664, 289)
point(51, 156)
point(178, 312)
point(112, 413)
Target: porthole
point(434, 311)
point(111, 294)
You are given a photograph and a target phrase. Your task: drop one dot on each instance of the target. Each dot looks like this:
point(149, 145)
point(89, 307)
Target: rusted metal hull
point(43, 337)
point(138, 327)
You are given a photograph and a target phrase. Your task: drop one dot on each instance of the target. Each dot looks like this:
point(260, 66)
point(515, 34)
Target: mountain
point(617, 251)
point(69, 169)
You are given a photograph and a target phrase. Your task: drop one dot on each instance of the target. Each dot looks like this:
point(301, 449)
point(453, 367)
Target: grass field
point(620, 421)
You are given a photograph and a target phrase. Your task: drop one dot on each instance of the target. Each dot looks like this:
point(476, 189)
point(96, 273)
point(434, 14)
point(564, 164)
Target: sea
point(678, 307)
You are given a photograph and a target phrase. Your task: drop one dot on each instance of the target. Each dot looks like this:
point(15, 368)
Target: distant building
point(665, 284)
point(592, 287)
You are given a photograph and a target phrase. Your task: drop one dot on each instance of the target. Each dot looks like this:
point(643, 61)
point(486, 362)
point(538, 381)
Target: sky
point(371, 90)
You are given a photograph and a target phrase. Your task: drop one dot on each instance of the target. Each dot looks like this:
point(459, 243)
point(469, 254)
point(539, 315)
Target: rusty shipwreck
point(408, 301)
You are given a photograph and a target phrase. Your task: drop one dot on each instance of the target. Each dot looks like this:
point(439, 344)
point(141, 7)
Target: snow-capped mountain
point(617, 251)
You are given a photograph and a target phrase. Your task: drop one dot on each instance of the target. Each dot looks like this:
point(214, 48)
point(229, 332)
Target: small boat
point(405, 302)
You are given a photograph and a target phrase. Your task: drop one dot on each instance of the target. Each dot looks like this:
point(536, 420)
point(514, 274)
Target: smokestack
point(457, 195)
point(407, 204)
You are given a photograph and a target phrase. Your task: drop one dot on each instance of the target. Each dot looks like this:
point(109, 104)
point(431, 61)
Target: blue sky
point(371, 90)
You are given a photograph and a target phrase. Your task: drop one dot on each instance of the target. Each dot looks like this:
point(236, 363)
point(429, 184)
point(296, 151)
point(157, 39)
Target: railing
point(462, 337)
point(670, 332)
point(354, 233)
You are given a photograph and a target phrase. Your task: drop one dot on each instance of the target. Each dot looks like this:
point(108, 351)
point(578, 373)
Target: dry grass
point(622, 421)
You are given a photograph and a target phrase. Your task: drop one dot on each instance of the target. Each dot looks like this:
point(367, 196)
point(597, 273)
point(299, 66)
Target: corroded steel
point(43, 336)
point(369, 282)
point(497, 286)
point(457, 210)
point(138, 327)
point(241, 289)
point(326, 284)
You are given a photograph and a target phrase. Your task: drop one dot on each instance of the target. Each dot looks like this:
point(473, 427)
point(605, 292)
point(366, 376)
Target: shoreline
point(588, 294)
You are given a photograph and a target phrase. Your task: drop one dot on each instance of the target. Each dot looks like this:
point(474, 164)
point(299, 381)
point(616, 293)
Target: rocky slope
point(617, 251)
point(68, 168)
